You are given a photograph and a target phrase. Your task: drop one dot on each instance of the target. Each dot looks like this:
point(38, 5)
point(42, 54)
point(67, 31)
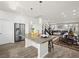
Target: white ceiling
point(49, 10)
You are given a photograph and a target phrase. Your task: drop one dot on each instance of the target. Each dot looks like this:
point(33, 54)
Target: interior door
point(4, 32)
point(0, 32)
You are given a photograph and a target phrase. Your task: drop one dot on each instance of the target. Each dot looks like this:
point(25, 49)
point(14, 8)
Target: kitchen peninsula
point(40, 43)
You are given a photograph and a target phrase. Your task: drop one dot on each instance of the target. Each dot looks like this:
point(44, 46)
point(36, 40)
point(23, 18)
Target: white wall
point(37, 24)
point(7, 20)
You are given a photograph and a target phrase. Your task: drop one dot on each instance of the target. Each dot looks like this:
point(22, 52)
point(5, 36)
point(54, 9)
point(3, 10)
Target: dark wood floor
point(62, 52)
point(18, 50)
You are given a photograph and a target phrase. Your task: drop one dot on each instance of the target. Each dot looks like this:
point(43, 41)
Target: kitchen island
point(40, 43)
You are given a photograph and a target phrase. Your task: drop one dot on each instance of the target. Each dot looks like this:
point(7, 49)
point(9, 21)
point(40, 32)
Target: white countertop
point(41, 40)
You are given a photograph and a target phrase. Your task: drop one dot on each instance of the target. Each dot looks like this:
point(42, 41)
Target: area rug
point(61, 43)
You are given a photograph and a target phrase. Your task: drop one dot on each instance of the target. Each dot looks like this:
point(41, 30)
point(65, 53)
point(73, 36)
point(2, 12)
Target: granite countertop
point(41, 40)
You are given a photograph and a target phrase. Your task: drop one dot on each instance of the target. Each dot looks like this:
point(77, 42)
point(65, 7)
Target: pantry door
point(4, 32)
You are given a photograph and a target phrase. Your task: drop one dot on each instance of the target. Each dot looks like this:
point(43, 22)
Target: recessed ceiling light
point(62, 13)
point(74, 10)
point(74, 13)
point(65, 25)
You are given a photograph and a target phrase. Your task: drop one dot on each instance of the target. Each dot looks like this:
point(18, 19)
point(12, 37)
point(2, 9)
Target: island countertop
point(41, 40)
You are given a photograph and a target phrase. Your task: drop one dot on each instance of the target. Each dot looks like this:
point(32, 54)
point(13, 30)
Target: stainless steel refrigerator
point(19, 32)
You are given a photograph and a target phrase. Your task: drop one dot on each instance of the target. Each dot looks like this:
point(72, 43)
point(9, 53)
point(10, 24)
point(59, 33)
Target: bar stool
point(50, 45)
